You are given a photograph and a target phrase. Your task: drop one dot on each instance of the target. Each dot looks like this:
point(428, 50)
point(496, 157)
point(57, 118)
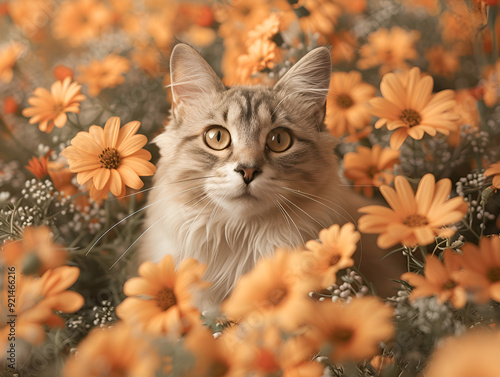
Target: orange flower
point(60, 72)
point(439, 280)
point(38, 166)
point(111, 158)
point(473, 354)
point(388, 49)
point(370, 167)
point(116, 351)
point(344, 47)
point(35, 253)
point(10, 105)
point(481, 269)
point(494, 170)
point(322, 18)
point(80, 21)
point(276, 287)
point(353, 331)
point(334, 252)
point(106, 73)
point(49, 108)
point(409, 107)
point(441, 62)
point(8, 56)
point(414, 219)
point(347, 108)
point(163, 297)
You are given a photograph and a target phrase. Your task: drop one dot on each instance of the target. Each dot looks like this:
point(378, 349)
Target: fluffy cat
point(244, 170)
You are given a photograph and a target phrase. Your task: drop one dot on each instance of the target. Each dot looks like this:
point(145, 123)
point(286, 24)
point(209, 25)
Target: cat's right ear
point(191, 76)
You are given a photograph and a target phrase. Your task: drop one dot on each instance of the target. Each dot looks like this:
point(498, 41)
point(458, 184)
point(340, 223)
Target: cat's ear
point(307, 83)
point(191, 76)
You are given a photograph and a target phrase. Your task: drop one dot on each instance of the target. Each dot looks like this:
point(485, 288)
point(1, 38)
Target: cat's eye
point(217, 138)
point(279, 140)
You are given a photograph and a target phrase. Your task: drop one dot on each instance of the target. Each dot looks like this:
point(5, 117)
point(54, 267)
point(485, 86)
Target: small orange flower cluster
point(476, 271)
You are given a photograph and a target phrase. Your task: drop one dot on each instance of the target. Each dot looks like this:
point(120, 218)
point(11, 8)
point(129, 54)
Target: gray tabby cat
point(245, 170)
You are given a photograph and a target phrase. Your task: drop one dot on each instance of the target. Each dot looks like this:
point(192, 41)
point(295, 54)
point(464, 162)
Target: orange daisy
point(49, 108)
point(369, 168)
point(276, 287)
point(115, 351)
point(494, 170)
point(353, 331)
point(35, 253)
point(322, 18)
point(389, 49)
point(411, 109)
point(111, 158)
point(334, 251)
point(38, 166)
point(31, 16)
point(80, 21)
point(441, 62)
point(8, 57)
point(481, 269)
point(414, 218)
point(261, 54)
point(162, 298)
point(473, 354)
point(347, 108)
point(439, 280)
point(107, 73)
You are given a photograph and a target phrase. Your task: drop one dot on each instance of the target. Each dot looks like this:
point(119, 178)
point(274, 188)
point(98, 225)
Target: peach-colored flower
point(8, 57)
point(473, 354)
point(352, 331)
point(369, 168)
point(35, 253)
point(115, 351)
point(441, 62)
point(411, 109)
point(481, 269)
point(80, 21)
point(161, 299)
point(389, 49)
point(494, 170)
point(344, 47)
point(49, 108)
point(110, 158)
point(347, 108)
point(322, 18)
point(106, 73)
point(439, 280)
point(60, 72)
point(277, 287)
point(38, 166)
point(414, 218)
point(31, 16)
point(334, 252)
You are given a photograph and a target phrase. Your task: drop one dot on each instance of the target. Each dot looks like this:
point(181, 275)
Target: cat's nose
point(248, 173)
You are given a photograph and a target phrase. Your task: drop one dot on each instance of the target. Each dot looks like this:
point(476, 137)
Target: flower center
point(277, 295)
point(450, 284)
point(218, 369)
point(494, 274)
point(415, 220)
point(334, 260)
point(344, 101)
point(410, 117)
point(166, 299)
point(342, 335)
point(109, 158)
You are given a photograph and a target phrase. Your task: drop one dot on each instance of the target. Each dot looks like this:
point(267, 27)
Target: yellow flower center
point(342, 335)
point(334, 260)
point(415, 220)
point(344, 101)
point(277, 295)
point(166, 299)
point(494, 274)
point(410, 117)
point(109, 158)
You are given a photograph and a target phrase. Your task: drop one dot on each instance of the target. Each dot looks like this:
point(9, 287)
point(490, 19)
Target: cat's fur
point(202, 208)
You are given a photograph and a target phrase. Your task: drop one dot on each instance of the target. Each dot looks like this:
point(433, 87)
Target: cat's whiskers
point(293, 222)
point(152, 225)
point(301, 210)
point(136, 212)
point(282, 211)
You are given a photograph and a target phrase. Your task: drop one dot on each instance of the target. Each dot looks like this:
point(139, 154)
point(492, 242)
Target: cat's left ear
point(191, 76)
point(307, 83)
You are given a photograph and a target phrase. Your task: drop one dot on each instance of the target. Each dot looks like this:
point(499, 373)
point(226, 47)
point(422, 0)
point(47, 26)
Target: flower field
point(414, 104)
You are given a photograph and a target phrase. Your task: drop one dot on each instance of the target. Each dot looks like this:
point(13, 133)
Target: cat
point(244, 170)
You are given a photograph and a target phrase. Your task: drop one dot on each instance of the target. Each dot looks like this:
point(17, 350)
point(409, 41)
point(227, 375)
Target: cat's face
point(250, 150)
